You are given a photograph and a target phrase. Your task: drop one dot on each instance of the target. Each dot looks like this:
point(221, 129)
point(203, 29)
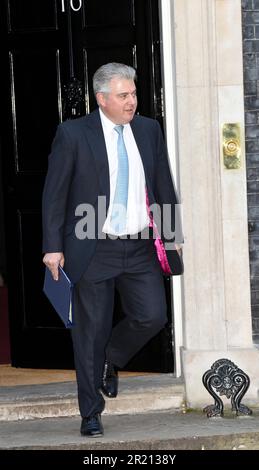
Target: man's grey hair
point(103, 76)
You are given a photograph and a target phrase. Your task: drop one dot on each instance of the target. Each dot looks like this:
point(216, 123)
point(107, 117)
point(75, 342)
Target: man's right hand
point(52, 261)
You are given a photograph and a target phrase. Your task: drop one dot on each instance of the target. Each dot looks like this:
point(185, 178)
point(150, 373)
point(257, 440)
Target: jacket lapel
point(95, 138)
point(146, 153)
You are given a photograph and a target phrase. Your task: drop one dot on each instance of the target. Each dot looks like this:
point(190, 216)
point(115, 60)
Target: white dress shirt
point(137, 216)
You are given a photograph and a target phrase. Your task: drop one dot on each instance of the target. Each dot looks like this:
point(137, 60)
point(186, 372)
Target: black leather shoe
point(92, 426)
point(110, 380)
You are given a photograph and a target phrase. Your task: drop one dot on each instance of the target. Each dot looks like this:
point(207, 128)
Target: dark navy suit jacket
point(78, 173)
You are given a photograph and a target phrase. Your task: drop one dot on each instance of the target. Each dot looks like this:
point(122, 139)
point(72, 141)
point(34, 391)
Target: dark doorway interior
point(51, 50)
point(5, 354)
point(2, 232)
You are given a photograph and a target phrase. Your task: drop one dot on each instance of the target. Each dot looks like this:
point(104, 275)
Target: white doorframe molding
point(170, 123)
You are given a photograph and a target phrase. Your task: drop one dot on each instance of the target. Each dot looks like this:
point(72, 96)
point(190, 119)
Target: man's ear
point(100, 98)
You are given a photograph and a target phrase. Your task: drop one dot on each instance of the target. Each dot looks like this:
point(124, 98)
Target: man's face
point(119, 105)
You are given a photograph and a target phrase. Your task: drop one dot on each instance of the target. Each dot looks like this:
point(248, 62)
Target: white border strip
point(169, 86)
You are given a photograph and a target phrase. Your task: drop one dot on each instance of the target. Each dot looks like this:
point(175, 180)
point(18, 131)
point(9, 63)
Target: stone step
point(169, 430)
point(136, 395)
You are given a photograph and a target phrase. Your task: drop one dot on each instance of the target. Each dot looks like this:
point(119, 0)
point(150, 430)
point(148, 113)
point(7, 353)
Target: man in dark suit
point(95, 224)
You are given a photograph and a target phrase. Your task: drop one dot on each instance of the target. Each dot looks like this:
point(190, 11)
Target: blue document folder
point(60, 294)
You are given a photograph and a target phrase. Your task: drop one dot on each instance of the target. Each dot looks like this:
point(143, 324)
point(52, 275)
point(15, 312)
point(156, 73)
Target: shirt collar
point(107, 124)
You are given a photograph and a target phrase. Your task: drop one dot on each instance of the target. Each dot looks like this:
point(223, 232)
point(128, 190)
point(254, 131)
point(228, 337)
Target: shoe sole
point(106, 394)
point(91, 435)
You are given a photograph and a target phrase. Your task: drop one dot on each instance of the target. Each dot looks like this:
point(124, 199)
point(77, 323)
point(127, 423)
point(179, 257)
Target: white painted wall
point(206, 41)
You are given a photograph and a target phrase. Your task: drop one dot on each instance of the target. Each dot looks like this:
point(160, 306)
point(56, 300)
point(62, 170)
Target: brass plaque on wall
point(231, 145)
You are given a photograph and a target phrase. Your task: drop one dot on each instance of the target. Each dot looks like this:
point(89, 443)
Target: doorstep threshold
point(136, 395)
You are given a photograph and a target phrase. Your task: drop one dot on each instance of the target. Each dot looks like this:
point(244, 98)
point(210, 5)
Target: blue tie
point(119, 209)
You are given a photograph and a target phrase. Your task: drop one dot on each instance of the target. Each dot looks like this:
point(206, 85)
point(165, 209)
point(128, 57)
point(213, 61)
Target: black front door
point(51, 50)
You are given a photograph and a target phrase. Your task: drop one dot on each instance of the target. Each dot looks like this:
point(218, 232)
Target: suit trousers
point(131, 267)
